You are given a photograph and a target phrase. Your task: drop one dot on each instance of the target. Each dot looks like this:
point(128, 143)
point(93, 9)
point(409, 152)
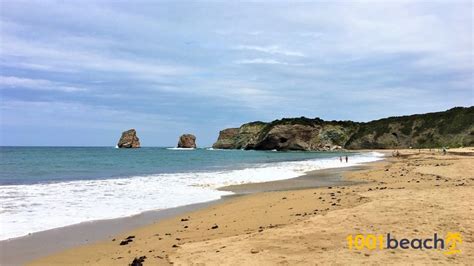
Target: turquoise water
point(48, 187)
point(28, 165)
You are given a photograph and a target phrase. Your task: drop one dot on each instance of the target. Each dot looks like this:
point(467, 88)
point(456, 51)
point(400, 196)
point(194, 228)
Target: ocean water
point(48, 187)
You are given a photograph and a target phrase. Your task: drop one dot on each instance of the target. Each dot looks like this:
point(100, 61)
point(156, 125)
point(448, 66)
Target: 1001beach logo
point(449, 244)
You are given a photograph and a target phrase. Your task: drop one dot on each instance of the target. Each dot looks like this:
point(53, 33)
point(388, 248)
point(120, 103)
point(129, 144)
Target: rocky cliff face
point(226, 139)
point(304, 134)
point(453, 128)
point(244, 137)
point(187, 141)
point(129, 139)
point(287, 134)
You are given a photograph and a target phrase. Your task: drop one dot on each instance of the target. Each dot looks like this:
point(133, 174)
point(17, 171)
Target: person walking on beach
point(340, 159)
point(347, 159)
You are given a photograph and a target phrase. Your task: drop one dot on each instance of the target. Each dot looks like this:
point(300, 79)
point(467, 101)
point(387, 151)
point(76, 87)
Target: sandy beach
point(412, 196)
point(236, 133)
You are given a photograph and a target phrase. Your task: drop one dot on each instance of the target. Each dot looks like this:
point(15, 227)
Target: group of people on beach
point(442, 150)
point(347, 159)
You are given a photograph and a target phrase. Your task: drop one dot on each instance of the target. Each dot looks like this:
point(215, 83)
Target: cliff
point(452, 128)
point(245, 137)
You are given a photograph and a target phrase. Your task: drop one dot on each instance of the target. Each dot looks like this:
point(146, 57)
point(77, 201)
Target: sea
point(43, 188)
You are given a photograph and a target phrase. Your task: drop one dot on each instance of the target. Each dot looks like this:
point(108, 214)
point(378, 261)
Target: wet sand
point(20, 250)
point(36, 245)
point(318, 178)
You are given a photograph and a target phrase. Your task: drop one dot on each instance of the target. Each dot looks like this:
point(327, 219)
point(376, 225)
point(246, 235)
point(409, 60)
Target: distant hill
point(451, 128)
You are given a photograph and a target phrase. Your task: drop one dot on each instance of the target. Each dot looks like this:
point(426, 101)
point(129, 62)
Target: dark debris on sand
point(127, 240)
point(138, 261)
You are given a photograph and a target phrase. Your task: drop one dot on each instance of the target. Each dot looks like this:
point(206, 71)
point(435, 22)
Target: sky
point(78, 73)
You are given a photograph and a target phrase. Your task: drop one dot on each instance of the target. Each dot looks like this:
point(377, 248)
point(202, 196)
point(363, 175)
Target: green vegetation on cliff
point(452, 128)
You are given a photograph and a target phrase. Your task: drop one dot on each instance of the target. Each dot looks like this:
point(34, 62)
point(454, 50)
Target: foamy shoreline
point(90, 231)
point(62, 204)
point(302, 226)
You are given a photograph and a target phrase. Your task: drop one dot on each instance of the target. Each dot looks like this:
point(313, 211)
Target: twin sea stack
point(452, 128)
point(129, 139)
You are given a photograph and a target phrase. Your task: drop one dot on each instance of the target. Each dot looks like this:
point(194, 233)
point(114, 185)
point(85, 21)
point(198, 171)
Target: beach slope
point(411, 196)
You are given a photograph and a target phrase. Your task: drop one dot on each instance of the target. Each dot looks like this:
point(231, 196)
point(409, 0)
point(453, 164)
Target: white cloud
point(260, 61)
point(39, 67)
point(57, 56)
point(36, 84)
point(437, 34)
point(270, 50)
point(80, 114)
point(255, 33)
point(357, 53)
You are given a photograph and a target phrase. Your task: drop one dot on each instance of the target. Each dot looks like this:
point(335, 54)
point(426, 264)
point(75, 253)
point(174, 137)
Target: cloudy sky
point(81, 72)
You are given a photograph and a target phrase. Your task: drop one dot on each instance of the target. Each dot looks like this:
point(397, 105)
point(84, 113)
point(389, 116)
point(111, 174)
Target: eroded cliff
point(452, 128)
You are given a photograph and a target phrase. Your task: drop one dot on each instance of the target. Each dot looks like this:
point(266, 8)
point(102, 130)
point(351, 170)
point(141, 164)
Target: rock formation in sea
point(286, 134)
point(451, 128)
point(304, 134)
point(129, 139)
point(226, 139)
point(244, 137)
point(187, 141)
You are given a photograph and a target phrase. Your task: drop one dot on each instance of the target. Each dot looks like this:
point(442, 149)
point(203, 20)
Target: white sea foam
point(216, 149)
point(31, 208)
point(180, 149)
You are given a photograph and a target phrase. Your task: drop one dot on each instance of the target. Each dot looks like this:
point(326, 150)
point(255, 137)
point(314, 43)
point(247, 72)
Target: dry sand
point(411, 196)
